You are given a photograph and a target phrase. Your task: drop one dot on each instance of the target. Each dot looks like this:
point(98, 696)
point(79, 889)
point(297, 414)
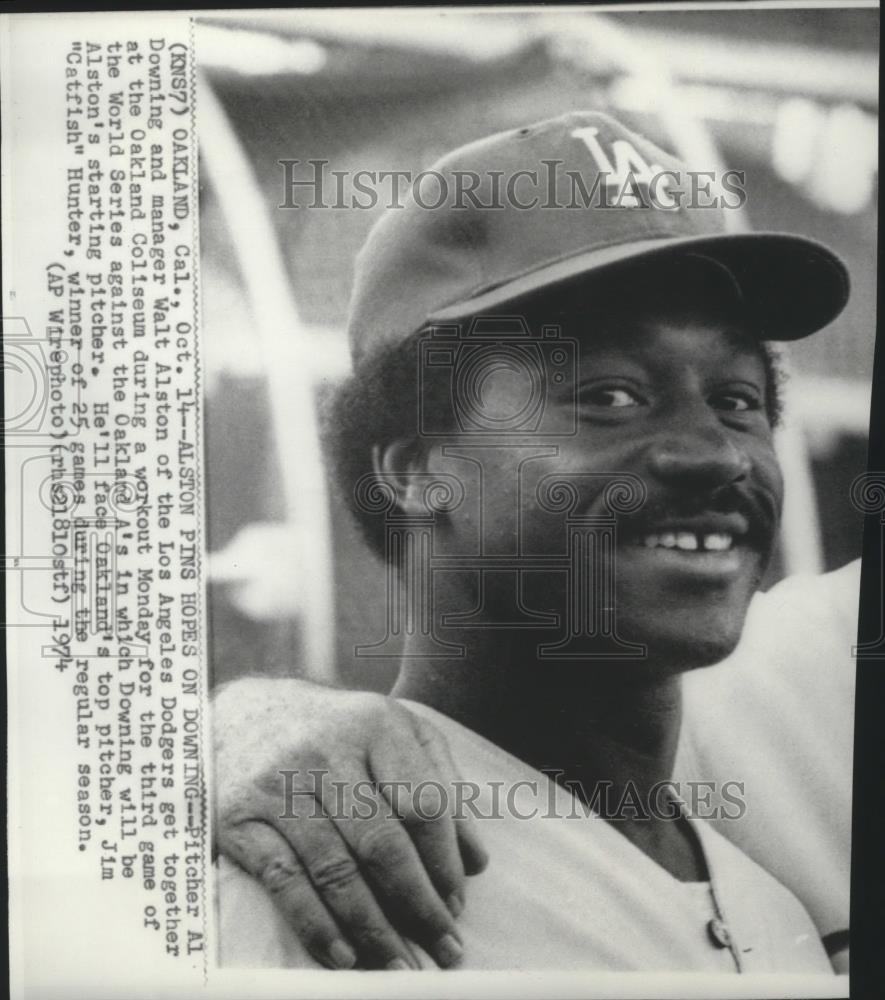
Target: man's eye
point(737, 402)
point(610, 396)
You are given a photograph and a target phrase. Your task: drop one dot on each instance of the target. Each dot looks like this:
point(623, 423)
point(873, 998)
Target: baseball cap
point(539, 207)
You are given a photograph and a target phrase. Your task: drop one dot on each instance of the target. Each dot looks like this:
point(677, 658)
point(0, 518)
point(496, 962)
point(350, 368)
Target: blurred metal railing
point(291, 393)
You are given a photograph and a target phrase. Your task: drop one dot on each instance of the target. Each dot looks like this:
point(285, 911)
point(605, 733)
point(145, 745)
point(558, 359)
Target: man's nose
point(698, 458)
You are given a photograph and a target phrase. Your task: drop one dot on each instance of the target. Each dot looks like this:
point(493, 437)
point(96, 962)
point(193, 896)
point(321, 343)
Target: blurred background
point(790, 96)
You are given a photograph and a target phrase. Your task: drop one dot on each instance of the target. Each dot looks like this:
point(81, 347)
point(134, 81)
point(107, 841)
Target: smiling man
point(534, 362)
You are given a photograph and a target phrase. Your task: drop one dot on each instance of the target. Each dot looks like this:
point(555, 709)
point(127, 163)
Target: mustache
point(756, 505)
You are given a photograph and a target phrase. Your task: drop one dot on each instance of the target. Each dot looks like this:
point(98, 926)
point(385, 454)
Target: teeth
point(688, 541)
point(718, 542)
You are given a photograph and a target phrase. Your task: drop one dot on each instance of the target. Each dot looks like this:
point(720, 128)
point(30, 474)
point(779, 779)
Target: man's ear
point(397, 463)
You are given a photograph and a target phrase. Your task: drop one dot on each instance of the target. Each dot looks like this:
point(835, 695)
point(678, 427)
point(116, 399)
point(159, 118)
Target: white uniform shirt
point(567, 891)
point(778, 715)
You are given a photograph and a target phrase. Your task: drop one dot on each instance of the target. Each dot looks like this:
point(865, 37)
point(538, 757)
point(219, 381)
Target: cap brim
point(794, 285)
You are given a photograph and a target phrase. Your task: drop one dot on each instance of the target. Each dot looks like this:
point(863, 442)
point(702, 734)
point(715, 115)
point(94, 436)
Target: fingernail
point(455, 903)
point(398, 963)
point(342, 955)
point(447, 950)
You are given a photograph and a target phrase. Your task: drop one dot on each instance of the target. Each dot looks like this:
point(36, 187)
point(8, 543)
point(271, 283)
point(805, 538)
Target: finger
point(261, 851)
point(336, 876)
point(474, 856)
point(385, 852)
point(420, 795)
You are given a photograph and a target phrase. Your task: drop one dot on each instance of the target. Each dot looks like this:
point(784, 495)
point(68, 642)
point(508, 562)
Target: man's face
point(676, 395)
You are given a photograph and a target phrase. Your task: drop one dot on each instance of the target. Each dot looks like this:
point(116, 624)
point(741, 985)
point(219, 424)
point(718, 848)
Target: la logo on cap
point(628, 171)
